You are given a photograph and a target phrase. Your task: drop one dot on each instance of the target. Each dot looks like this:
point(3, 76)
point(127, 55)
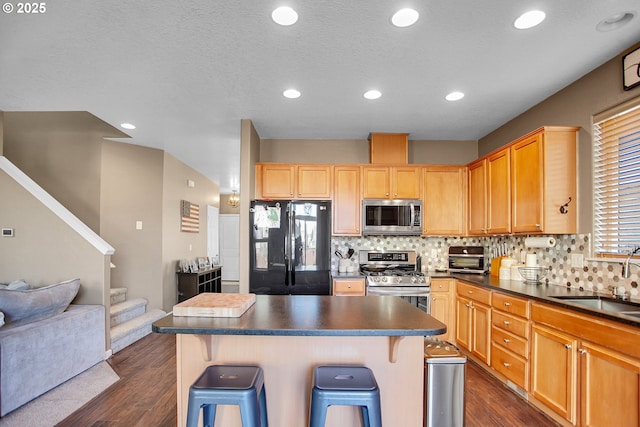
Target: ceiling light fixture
point(291, 94)
point(285, 16)
point(615, 22)
point(529, 19)
point(454, 96)
point(372, 94)
point(234, 199)
point(405, 17)
point(127, 126)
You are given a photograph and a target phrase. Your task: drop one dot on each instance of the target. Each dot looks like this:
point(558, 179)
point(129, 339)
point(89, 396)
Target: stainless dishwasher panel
point(444, 384)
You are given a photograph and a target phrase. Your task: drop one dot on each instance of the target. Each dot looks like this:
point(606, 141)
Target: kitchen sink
point(604, 303)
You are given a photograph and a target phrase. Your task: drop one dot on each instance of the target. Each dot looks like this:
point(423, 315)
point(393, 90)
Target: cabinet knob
point(468, 306)
point(567, 346)
point(470, 292)
point(538, 226)
point(507, 304)
point(433, 299)
point(506, 322)
point(582, 351)
point(506, 365)
point(507, 341)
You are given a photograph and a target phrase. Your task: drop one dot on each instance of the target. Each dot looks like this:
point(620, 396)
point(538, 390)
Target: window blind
point(616, 183)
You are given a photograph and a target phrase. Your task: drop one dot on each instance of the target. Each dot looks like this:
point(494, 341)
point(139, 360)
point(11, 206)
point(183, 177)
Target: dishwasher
point(444, 384)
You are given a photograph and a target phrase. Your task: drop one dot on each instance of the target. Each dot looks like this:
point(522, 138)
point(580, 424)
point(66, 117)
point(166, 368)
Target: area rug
point(60, 402)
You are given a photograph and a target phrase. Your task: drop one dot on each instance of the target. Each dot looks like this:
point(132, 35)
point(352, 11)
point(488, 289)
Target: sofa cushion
point(27, 306)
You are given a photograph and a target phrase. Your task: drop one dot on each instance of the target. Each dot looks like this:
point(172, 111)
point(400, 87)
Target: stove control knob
point(420, 279)
point(398, 279)
point(414, 279)
point(383, 278)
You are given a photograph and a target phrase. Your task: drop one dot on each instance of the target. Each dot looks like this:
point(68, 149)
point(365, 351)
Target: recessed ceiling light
point(372, 94)
point(615, 21)
point(454, 96)
point(127, 126)
point(405, 17)
point(291, 93)
point(284, 15)
point(529, 19)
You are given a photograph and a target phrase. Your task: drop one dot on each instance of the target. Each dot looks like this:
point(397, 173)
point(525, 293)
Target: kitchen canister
point(505, 273)
point(515, 273)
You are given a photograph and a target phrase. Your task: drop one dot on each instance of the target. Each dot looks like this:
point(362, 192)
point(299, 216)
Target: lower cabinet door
point(554, 370)
point(511, 366)
point(610, 387)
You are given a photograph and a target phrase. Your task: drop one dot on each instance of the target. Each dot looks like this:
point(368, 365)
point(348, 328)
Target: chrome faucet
point(625, 264)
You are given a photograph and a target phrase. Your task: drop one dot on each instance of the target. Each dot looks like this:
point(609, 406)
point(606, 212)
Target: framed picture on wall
point(631, 69)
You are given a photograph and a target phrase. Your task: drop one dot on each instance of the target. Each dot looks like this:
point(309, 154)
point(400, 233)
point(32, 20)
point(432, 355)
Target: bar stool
point(345, 385)
point(229, 385)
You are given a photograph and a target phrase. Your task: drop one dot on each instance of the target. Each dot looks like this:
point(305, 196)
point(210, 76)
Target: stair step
point(127, 310)
point(118, 295)
point(127, 333)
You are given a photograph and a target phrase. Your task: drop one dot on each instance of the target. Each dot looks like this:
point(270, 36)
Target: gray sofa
point(40, 355)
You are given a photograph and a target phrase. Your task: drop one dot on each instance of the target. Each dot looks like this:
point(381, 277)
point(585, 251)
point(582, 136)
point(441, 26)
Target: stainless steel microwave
point(391, 217)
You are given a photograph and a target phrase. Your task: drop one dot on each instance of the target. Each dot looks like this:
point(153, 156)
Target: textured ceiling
point(186, 72)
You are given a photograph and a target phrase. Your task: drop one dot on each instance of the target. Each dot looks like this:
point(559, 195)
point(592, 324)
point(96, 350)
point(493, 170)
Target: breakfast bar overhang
point(288, 335)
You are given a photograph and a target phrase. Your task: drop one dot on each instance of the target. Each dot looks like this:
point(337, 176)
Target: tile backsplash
point(591, 275)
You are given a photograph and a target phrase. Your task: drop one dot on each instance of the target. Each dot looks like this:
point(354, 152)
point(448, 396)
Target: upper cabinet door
point(314, 182)
point(405, 182)
point(444, 200)
point(346, 201)
point(499, 193)
point(275, 180)
point(477, 200)
point(526, 178)
point(376, 182)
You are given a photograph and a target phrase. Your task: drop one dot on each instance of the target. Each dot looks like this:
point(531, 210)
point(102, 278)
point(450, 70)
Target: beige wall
point(131, 191)
point(1, 133)
point(177, 245)
point(61, 151)
point(572, 106)
point(45, 250)
point(357, 151)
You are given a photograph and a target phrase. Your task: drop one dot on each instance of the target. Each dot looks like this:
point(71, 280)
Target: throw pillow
point(16, 285)
point(1, 319)
point(27, 306)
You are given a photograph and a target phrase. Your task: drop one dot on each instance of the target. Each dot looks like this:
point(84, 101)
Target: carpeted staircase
point(130, 320)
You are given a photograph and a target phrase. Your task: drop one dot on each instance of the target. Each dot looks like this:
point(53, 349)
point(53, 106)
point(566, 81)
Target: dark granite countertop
point(307, 315)
point(540, 292)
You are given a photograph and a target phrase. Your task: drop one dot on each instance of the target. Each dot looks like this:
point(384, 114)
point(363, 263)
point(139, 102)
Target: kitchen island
point(288, 335)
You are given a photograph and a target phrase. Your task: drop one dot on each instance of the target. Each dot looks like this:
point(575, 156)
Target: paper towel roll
point(539, 242)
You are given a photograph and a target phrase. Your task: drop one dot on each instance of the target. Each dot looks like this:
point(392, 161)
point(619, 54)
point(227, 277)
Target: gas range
point(392, 268)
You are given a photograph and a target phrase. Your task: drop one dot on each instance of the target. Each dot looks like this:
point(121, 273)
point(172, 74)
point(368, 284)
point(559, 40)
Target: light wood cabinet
point(575, 377)
point(477, 200)
point(346, 201)
point(389, 148)
point(391, 182)
point(490, 194)
point(444, 200)
point(442, 305)
point(510, 338)
point(543, 167)
point(473, 320)
point(314, 182)
point(499, 193)
point(349, 287)
point(289, 181)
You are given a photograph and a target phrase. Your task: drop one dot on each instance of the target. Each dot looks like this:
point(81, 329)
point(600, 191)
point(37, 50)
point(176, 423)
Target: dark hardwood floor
point(145, 395)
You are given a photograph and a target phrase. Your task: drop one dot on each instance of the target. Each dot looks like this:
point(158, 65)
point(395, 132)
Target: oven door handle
point(405, 292)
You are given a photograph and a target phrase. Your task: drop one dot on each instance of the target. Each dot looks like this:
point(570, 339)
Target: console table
point(192, 284)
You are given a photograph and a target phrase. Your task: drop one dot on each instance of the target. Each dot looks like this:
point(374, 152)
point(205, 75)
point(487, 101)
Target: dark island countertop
point(311, 315)
point(540, 292)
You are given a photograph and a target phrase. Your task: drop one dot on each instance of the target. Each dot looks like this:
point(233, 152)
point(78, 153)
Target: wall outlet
point(138, 225)
point(7, 232)
point(577, 260)
point(434, 253)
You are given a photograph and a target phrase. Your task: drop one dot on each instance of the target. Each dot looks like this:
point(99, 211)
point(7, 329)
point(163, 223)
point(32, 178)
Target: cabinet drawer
point(349, 287)
point(516, 344)
point(511, 366)
point(475, 293)
point(515, 325)
point(440, 285)
point(510, 304)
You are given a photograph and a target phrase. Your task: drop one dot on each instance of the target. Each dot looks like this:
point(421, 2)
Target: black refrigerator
point(290, 245)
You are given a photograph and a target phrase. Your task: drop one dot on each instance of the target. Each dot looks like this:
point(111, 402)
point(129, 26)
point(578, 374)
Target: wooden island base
point(288, 362)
